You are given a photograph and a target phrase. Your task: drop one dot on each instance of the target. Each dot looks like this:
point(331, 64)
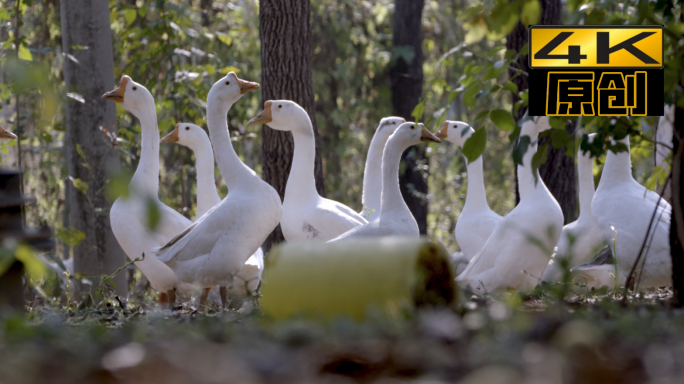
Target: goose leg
point(203, 298)
point(163, 299)
point(224, 296)
point(172, 299)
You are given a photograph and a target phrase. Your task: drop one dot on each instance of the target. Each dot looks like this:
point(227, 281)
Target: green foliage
point(475, 145)
point(502, 119)
point(71, 236)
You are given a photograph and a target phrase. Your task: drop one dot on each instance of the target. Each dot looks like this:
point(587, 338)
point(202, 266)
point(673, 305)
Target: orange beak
point(442, 133)
point(264, 117)
point(117, 95)
point(171, 137)
point(246, 86)
point(425, 135)
point(6, 135)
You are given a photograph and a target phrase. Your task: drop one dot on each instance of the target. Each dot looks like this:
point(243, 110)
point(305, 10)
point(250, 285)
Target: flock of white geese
point(220, 250)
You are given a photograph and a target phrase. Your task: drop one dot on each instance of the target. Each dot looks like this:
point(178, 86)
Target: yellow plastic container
point(352, 279)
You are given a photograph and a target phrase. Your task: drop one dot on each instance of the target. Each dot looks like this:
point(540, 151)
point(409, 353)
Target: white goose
point(215, 248)
point(306, 215)
point(622, 202)
point(477, 221)
point(394, 219)
point(128, 215)
point(581, 239)
point(195, 138)
point(372, 173)
point(517, 252)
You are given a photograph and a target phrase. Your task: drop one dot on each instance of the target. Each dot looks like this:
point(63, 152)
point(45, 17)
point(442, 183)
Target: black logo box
point(539, 77)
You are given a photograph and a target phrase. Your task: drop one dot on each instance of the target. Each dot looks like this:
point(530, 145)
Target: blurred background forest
point(179, 48)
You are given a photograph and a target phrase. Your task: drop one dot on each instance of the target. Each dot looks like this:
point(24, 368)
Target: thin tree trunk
point(285, 30)
point(407, 88)
point(86, 23)
point(677, 221)
point(558, 172)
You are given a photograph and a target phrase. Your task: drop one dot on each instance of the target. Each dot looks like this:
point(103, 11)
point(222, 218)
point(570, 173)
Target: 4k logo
point(595, 70)
point(596, 47)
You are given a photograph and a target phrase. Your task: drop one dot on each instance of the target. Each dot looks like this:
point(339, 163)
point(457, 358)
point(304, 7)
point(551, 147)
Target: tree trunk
point(407, 88)
point(86, 23)
point(285, 31)
point(677, 220)
point(558, 172)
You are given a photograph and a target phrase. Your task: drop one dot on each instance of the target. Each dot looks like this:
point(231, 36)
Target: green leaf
point(482, 115)
point(130, 15)
point(79, 184)
point(475, 145)
point(152, 213)
point(596, 17)
point(418, 111)
point(559, 137)
point(557, 122)
point(502, 119)
point(475, 30)
point(520, 150)
point(540, 158)
point(510, 86)
point(469, 95)
point(227, 40)
point(35, 269)
point(71, 236)
point(25, 54)
point(229, 68)
point(530, 13)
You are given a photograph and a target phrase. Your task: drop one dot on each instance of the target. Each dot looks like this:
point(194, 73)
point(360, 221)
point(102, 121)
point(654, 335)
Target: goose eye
point(187, 128)
point(280, 106)
point(135, 88)
point(413, 127)
point(227, 82)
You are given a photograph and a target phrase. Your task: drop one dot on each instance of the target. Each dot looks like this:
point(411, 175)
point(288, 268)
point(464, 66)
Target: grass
point(537, 338)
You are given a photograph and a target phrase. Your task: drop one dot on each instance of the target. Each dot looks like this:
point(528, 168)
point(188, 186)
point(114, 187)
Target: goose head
point(411, 133)
point(187, 134)
point(388, 125)
point(6, 134)
point(456, 132)
point(282, 115)
point(230, 88)
point(132, 96)
point(535, 125)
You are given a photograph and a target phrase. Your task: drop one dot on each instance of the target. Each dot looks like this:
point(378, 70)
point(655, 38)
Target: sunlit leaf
point(418, 111)
point(25, 54)
point(34, 267)
point(130, 15)
point(530, 13)
point(227, 40)
point(79, 184)
point(71, 236)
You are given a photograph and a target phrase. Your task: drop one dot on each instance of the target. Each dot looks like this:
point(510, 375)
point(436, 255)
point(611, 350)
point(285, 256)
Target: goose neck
point(392, 199)
point(618, 166)
point(372, 173)
point(301, 184)
point(146, 177)
point(232, 168)
point(207, 196)
point(476, 197)
point(585, 175)
point(527, 182)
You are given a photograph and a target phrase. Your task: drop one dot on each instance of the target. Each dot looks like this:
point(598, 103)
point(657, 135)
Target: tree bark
point(285, 31)
point(558, 172)
point(407, 88)
point(86, 23)
point(677, 220)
